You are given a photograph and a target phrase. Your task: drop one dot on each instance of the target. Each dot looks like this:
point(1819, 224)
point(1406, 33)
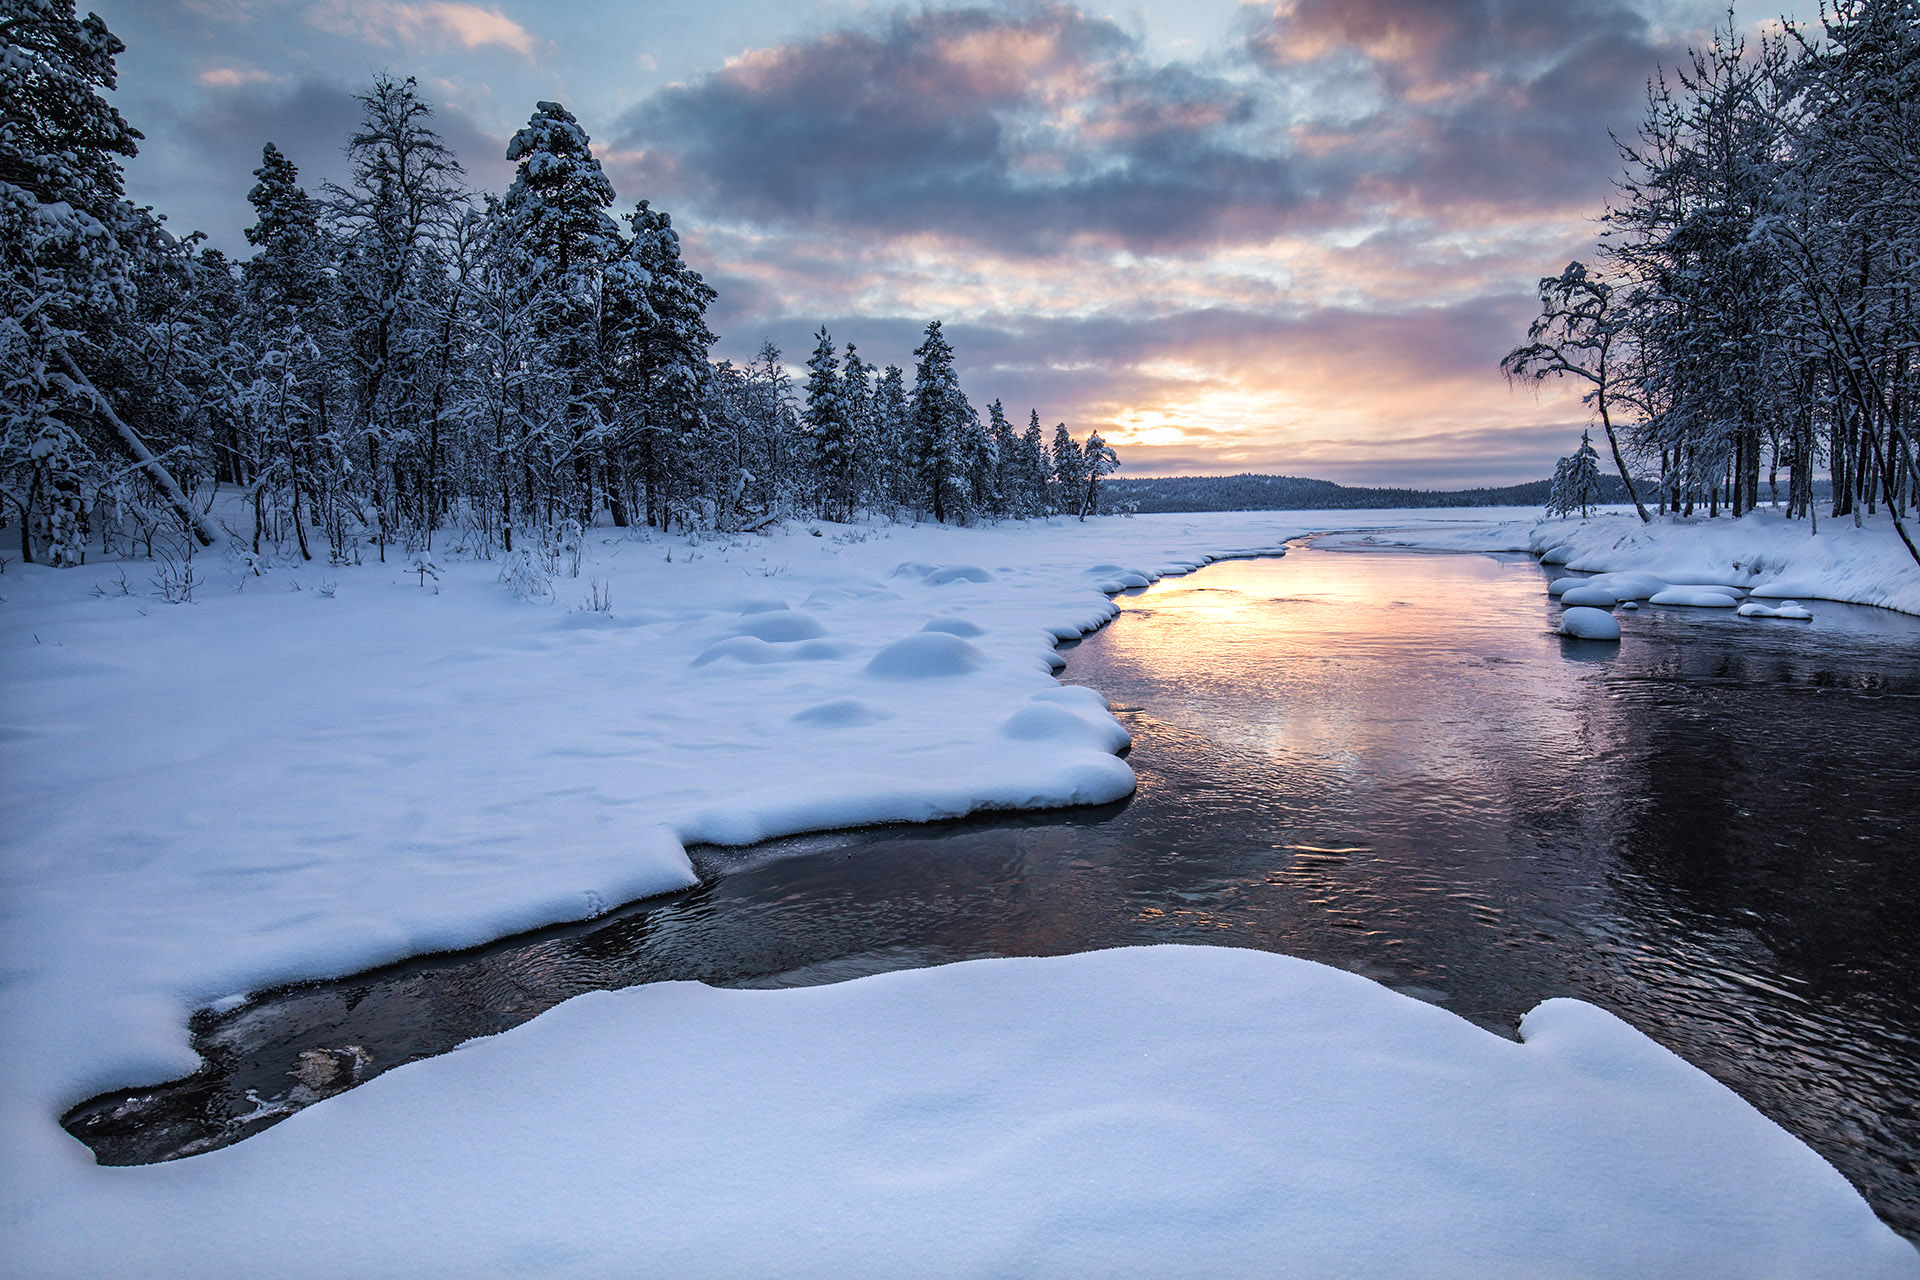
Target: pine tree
point(940, 419)
point(1576, 481)
point(1069, 472)
point(1100, 461)
point(559, 239)
point(829, 430)
point(893, 431)
point(289, 296)
point(1005, 447)
point(1036, 468)
point(656, 309)
point(856, 396)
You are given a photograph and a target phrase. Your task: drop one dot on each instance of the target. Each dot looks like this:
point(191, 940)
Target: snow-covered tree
point(1100, 461)
point(401, 203)
point(67, 275)
point(830, 430)
point(1579, 333)
point(656, 309)
point(1035, 468)
point(289, 296)
point(1576, 481)
point(1069, 472)
point(941, 419)
point(558, 239)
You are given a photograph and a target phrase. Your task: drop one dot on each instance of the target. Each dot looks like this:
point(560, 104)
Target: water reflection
point(1382, 761)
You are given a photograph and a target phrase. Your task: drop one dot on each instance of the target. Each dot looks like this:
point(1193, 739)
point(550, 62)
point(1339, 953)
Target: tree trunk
point(203, 531)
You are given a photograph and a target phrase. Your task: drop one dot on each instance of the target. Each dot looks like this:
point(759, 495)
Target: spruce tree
point(559, 238)
point(940, 419)
point(1069, 472)
point(656, 315)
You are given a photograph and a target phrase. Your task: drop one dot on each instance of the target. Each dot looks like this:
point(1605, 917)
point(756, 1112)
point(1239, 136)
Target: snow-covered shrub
point(525, 575)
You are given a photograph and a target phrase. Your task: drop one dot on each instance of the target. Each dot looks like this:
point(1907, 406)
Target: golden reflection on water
point(1380, 685)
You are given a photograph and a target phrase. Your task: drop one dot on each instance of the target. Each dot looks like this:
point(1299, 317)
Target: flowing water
point(1383, 761)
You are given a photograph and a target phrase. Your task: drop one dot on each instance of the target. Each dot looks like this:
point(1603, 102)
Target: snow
point(1694, 597)
point(1751, 609)
point(1138, 1112)
point(1589, 597)
point(927, 656)
point(311, 771)
point(1763, 552)
point(1589, 624)
point(1626, 586)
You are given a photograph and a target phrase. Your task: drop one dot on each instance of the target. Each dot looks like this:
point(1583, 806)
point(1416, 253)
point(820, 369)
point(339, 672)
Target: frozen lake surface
point(1384, 761)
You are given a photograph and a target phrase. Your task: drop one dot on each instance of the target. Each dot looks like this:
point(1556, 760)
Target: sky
point(1288, 237)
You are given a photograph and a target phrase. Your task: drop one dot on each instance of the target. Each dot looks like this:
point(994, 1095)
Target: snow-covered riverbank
point(274, 783)
point(1763, 552)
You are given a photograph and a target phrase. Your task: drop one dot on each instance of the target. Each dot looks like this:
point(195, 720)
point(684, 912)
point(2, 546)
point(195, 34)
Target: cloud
point(233, 77)
point(440, 22)
point(1450, 102)
point(1030, 128)
point(1025, 128)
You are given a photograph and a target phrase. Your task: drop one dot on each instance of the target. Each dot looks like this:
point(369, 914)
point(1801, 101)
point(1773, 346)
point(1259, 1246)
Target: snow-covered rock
point(1591, 597)
point(1589, 624)
point(1694, 598)
point(1752, 609)
point(1626, 585)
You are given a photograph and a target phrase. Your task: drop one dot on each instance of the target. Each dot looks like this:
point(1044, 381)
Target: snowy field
point(309, 771)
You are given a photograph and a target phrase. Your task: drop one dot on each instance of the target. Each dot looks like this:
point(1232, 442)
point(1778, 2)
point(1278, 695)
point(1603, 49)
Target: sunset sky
point(1291, 238)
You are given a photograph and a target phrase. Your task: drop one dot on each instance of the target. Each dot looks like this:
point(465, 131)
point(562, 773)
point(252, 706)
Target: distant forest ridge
point(1247, 492)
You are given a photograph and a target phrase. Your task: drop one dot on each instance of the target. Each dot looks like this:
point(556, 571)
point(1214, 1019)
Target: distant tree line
point(1753, 308)
point(401, 359)
point(1249, 492)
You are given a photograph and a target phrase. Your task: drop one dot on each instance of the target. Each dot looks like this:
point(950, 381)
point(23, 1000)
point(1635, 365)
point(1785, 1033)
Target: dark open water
point(1382, 761)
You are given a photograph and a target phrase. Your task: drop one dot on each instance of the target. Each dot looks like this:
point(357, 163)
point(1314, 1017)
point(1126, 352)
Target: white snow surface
point(1763, 552)
point(1161, 1111)
point(1790, 609)
point(274, 784)
point(1694, 598)
point(1587, 623)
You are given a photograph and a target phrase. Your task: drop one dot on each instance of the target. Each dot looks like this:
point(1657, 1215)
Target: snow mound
point(1560, 586)
point(1784, 588)
point(847, 713)
point(1788, 610)
point(1627, 585)
point(1694, 598)
point(757, 652)
point(958, 573)
point(1590, 624)
point(955, 627)
point(1112, 578)
point(1051, 722)
point(927, 655)
point(1149, 1111)
point(782, 627)
point(1557, 555)
point(1590, 597)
